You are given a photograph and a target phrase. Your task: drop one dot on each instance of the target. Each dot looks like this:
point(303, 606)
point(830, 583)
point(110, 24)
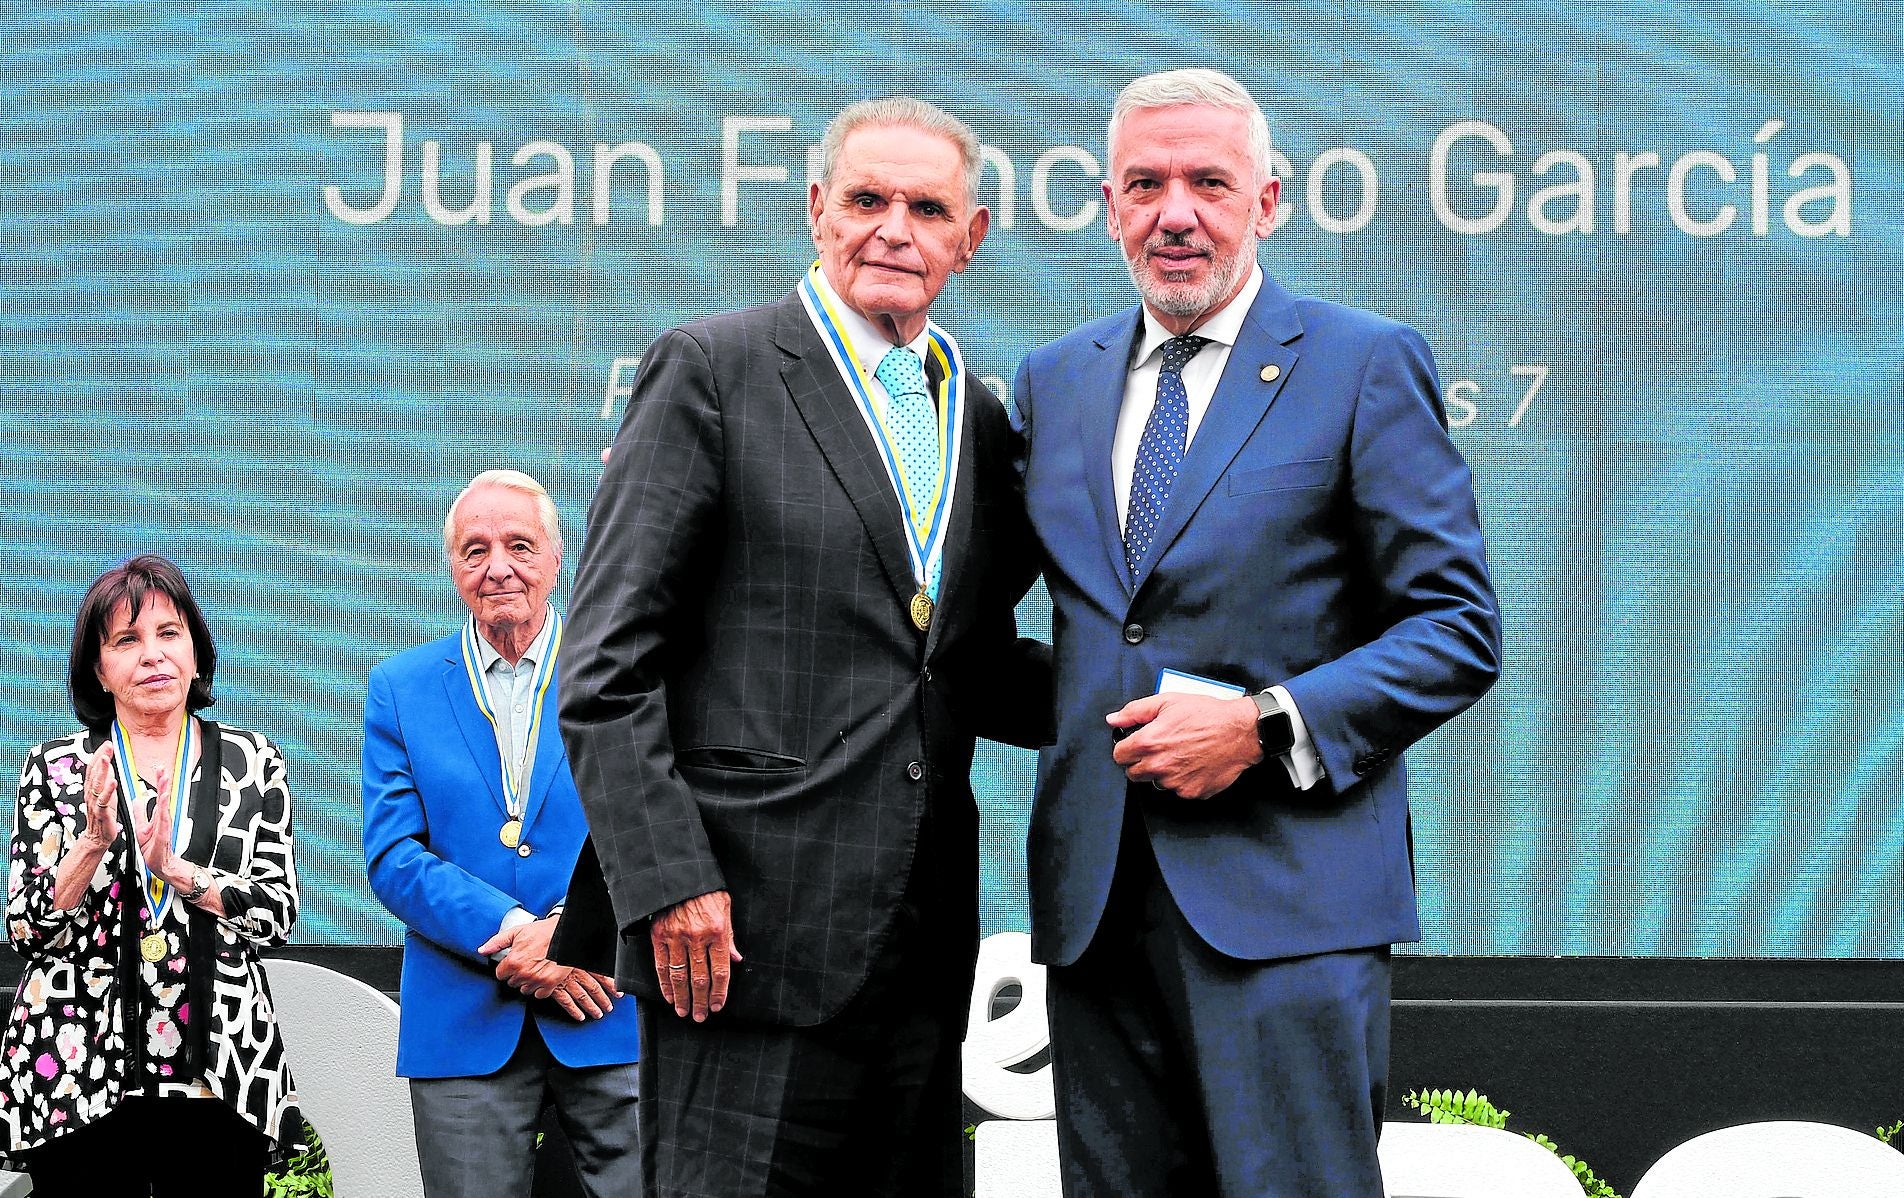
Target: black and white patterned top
point(66, 1060)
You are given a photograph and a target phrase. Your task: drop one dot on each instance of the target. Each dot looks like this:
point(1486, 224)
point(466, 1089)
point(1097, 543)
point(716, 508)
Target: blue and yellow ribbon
point(513, 784)
point(158, 894)
point(926, 510)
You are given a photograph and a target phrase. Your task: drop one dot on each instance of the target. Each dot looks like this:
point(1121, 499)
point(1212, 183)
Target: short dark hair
point(130, 583)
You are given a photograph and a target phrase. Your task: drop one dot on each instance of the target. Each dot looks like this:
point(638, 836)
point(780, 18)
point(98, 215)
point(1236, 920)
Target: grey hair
point(906, 112)
point(1196, 85)
point(508, 480)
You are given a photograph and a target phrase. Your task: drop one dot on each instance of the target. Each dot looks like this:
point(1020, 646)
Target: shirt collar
point(1224, 327)
point(487, 656)
point(866, 337)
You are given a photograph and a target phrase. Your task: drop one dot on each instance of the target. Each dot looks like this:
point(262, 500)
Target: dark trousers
point(164, 1147)
point(864, 1104)
point(475, 1136)
point(1182, 1071)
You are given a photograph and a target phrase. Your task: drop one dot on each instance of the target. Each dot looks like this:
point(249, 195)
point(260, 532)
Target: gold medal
point(511, 834)
point(152, 947)
point(921, 611)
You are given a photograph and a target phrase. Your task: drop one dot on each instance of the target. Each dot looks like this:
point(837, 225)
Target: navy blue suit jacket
point(432, 809)
point(1322, 534)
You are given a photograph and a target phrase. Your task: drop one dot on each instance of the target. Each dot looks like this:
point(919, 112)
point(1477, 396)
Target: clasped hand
point(153, 834)
point(1194, 746)
point(582, 995)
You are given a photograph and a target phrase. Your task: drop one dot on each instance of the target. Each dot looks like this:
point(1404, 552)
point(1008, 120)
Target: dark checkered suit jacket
point(746, 703)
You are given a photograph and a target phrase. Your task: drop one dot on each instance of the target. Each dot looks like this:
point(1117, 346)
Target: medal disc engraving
point(921, 611)
point(152, 947)
point(511, 834)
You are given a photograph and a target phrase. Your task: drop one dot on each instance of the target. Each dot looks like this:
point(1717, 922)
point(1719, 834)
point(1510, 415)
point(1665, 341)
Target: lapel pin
point(1270, 372)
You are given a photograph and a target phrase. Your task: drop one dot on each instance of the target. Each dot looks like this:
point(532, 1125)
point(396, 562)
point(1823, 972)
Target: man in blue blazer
point(471, 830)
point(1268, 580)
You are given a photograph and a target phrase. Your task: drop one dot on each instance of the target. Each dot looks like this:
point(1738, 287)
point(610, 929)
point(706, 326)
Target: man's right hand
point(693, 953)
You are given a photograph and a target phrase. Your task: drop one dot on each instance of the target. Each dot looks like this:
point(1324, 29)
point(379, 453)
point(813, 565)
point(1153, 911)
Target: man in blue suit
point(1268, 580)
point(471, 830)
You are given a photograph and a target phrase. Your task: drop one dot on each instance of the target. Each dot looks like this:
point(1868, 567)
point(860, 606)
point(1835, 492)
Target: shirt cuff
point(1302, 761)
point(513, 918)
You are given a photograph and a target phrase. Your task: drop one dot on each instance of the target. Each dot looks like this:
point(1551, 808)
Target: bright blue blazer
point(1322, 534)
point(433, 807)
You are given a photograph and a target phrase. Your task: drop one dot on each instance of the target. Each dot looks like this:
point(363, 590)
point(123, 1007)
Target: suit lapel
point(1243, 396)
point(477, 733)
point(1102, 387)
point(832, 415)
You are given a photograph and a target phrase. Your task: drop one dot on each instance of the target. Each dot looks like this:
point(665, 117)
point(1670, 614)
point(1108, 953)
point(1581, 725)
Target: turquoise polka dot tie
point(1160, 452)
point(913, 424)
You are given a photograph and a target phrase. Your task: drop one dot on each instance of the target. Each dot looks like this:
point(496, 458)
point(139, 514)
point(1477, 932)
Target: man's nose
point(1179, 211)
point(895, 226)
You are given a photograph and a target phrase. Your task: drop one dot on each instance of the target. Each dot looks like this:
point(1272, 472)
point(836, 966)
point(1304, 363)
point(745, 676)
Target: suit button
point(915, 771)
point(1133, 634)
point(925, 675)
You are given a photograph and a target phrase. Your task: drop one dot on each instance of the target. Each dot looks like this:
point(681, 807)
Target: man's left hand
point(581, 994)
point(1193, 746)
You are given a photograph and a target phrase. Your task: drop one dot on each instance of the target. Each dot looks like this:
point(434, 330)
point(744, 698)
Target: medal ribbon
point(926, 515)
point(513, 784)
point(158, 894)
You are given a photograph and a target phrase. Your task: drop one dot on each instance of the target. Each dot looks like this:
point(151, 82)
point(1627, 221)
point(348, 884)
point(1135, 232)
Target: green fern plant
point(305, 1174)
point(1455, 1106)
point(1893, 1135)
point(1452, 1106)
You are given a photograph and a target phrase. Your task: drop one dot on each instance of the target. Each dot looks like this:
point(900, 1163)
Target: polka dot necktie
point(1160, 452)
point(913, 423)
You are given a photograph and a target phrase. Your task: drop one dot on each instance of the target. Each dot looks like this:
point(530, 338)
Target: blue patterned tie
point(1160, 452)
point(914, 424)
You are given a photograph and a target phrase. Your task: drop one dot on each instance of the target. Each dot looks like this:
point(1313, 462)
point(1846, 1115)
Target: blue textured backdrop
point(1695, 522)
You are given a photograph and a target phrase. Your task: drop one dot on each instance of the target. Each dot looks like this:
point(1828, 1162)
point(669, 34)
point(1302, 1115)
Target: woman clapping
point(150, 864)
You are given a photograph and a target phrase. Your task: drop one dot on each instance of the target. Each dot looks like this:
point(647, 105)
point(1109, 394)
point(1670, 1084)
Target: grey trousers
point(475, 1136)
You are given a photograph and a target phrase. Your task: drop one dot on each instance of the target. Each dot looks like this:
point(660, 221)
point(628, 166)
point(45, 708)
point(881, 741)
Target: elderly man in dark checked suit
point(1267, 580)
point(793, 614)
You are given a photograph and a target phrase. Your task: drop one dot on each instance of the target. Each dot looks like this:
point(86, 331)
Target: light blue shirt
point(512, 695)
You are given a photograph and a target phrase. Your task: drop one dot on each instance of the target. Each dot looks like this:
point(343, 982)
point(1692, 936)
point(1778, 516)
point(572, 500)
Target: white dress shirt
point(1200, 377)
point(869, 343)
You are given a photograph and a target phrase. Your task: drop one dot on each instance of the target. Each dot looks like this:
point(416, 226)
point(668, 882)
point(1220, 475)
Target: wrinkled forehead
point(498, 512)
point(889, 159)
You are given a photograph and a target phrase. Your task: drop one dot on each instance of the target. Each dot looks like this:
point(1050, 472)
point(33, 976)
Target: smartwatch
point(1275, 731)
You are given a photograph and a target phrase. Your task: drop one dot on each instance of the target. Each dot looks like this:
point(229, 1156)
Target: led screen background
point(1671, 354)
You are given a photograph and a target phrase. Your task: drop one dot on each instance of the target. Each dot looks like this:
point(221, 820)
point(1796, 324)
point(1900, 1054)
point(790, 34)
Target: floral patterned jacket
point(65, 1060)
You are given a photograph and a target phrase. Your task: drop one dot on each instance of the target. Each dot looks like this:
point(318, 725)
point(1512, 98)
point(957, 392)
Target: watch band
point(201, 882)
point(1275, 731)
